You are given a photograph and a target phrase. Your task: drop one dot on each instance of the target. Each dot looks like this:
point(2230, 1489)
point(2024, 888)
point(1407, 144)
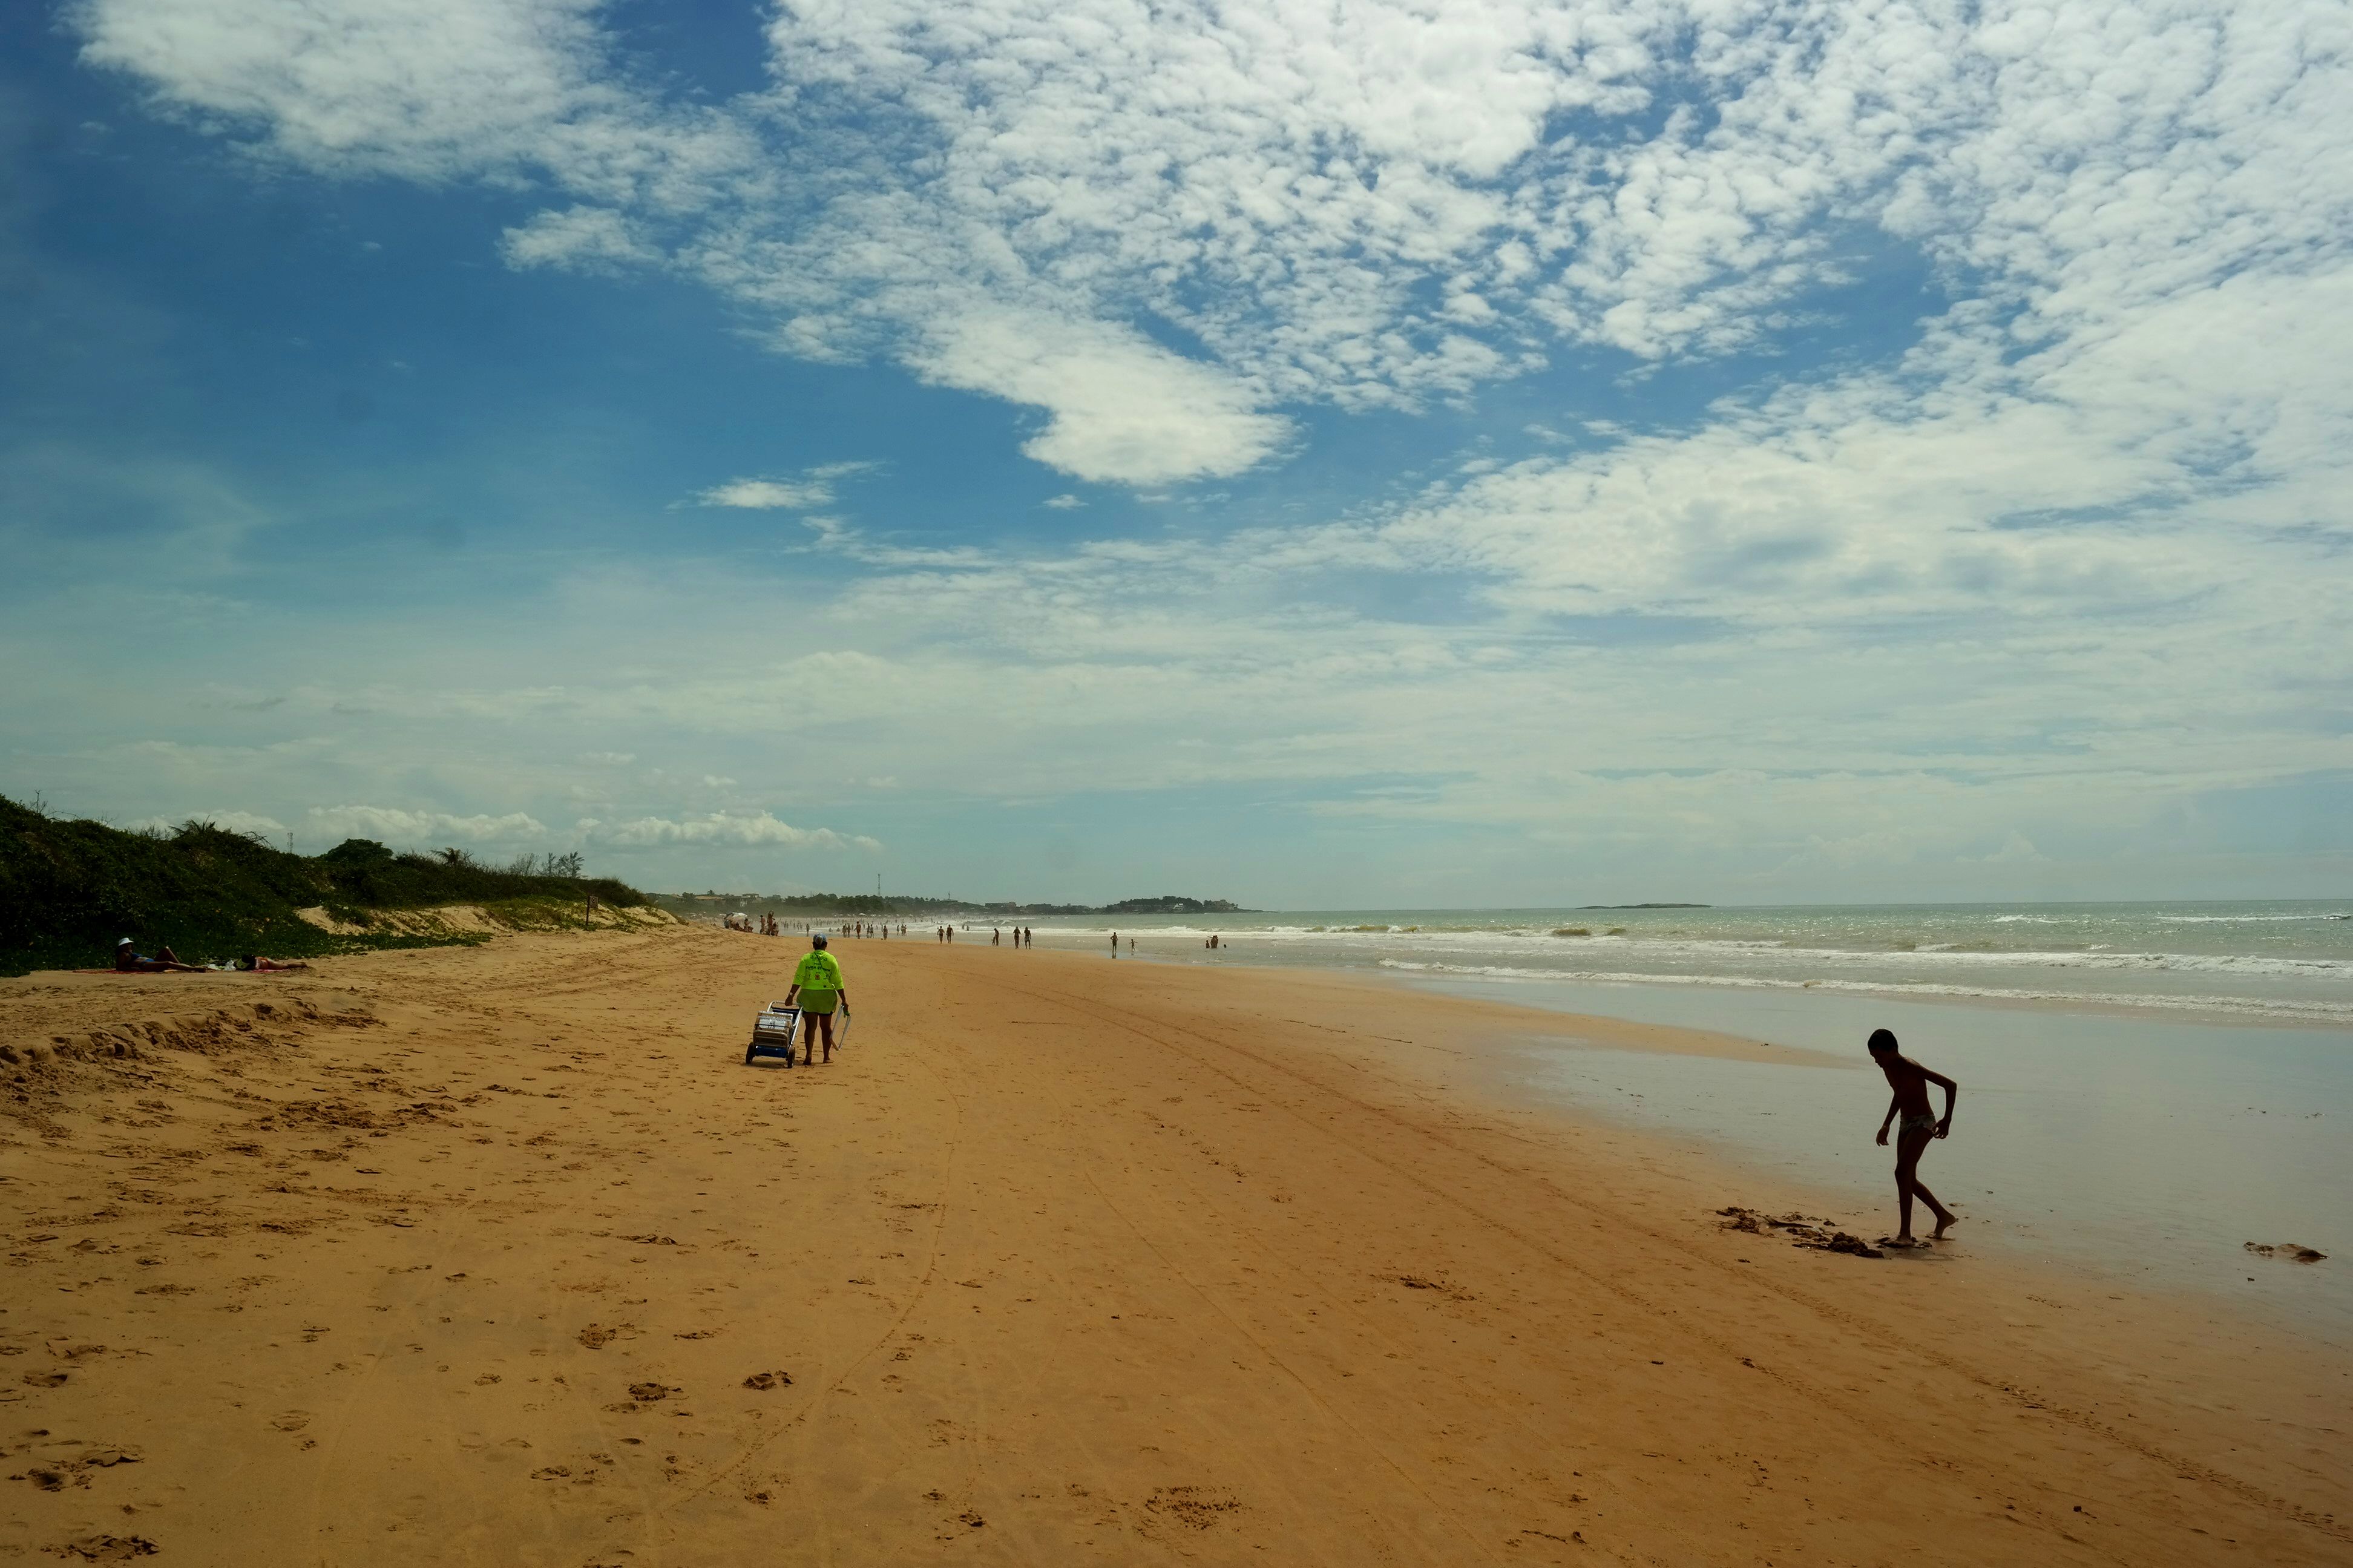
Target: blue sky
point(1450, 453)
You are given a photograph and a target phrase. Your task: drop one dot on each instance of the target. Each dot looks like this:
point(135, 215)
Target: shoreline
point(2104, 1004)
point(2152, 1150)
point(1139, 1261)
point(2140, 959)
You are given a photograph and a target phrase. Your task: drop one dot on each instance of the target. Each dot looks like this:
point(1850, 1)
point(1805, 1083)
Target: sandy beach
point(501, 1255)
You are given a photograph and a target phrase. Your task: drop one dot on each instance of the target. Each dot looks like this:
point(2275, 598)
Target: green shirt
point(819, 978)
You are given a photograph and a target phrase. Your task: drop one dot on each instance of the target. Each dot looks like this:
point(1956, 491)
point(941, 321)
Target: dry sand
point(500, 1254)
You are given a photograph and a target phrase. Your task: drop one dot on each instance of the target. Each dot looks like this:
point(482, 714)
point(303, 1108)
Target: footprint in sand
point(107, 1548)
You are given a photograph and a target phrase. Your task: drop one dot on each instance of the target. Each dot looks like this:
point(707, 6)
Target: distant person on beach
point(1915, 1124)
point(254, 963)
point(1115, 944)
point(128, 961)
point(817, 980)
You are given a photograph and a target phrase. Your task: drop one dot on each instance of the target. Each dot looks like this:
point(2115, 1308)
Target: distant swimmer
point(817, 980)
point(1115, 944)
point(1915, 1124)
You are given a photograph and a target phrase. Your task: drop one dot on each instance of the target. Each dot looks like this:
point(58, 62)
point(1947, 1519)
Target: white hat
point(124, 943)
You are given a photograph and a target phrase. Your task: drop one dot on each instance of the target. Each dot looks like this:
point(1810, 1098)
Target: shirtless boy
point(1914, 1125)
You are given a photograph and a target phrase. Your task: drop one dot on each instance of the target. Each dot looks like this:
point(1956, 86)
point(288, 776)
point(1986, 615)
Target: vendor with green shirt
point(816, 981)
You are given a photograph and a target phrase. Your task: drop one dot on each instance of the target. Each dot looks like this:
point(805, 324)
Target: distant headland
point(1646, 906)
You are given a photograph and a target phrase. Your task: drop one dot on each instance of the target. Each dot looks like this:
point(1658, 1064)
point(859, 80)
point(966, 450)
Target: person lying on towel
point(130, 961)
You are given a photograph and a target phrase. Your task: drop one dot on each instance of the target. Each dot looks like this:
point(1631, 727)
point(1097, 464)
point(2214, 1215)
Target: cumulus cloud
point(583, 239)
point(1369, 205)
point(1120, 407)
point(401, 826)
point(2081, 521)
point(432, 92)
point(739, 829)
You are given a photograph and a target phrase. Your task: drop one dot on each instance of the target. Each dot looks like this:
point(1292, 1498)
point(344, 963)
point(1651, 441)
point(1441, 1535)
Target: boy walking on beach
point(817, 980)
point(1907, 1107)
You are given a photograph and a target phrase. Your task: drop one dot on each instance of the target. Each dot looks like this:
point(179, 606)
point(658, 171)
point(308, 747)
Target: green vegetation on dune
point(69, 889)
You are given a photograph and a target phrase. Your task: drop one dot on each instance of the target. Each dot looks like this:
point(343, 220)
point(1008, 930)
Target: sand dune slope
point(500, 1256)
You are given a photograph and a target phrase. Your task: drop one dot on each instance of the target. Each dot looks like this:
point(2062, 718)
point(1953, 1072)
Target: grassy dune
point(69, 890)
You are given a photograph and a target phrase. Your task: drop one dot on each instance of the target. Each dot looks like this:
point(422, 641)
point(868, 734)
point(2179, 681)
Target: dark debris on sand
point(1801, 1231)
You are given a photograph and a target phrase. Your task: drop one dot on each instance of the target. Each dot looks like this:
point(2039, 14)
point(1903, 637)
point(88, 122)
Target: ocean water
point(2146, 1088)
point(2275, 961)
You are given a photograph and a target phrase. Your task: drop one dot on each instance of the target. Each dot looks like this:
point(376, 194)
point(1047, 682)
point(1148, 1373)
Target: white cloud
point(408, 828)
point(1369, 205)
point(580, 239)
point(739, 829)
point(765, 494)
point(815, 487)
point(2074, 536)
point(431, 90)
point(1064, 503)
point(1121, 408)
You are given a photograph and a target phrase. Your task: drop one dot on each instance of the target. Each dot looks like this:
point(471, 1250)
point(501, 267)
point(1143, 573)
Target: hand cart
point(773, 1033)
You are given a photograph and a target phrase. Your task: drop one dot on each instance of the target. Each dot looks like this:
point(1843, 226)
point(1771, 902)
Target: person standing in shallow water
point(1916, 1125)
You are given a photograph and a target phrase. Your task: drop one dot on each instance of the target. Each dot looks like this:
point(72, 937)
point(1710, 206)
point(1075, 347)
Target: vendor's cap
point(816, 941)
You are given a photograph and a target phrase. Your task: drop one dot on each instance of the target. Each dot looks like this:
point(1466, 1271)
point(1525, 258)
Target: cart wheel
point(750, 1051)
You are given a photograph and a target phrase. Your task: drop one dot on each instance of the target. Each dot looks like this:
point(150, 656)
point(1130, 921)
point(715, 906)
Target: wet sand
point(500, 1254)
